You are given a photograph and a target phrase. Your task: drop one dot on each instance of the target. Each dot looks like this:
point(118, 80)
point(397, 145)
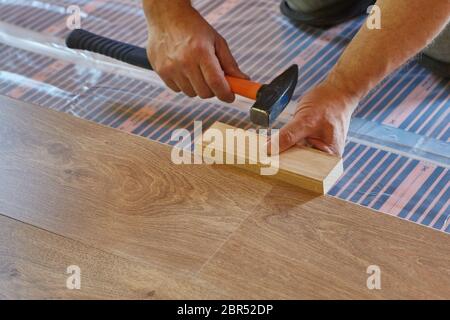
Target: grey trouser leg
point(440, 48)
point(323, 13)
point(311, 5)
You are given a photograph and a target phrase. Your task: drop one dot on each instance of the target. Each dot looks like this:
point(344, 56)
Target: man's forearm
point(407, 27)
point(157, 11)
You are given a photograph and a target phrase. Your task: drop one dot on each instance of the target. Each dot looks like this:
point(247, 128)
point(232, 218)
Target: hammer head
point(272, 98)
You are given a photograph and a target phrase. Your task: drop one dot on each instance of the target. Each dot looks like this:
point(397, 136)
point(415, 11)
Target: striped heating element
point(412, 100)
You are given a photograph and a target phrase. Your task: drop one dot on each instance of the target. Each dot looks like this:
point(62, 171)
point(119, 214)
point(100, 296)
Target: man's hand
point(323, 115)
point(321, 120)
point(187, 53)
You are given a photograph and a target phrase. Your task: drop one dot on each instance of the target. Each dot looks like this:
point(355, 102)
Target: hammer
point(270, 99)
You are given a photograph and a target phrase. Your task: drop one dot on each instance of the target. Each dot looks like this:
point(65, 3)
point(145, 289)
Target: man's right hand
point(187, 53)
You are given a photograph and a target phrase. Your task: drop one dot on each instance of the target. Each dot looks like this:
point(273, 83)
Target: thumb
point(289, 135)
point(322, 146)
point(227, 61)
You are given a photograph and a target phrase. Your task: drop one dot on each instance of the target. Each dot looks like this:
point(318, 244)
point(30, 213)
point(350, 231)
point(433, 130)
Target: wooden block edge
point(304, 182)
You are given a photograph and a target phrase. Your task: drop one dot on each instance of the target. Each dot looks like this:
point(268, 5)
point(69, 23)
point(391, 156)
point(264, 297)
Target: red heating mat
point(397, 157)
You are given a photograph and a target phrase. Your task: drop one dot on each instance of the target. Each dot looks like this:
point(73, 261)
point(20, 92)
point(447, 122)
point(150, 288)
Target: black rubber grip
point(85, 40)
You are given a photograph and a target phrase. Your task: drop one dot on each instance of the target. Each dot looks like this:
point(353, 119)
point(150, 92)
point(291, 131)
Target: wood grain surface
point(304, 247)
point(83, 193)
point(306, 168)
point(34, 262)
point(116, 191)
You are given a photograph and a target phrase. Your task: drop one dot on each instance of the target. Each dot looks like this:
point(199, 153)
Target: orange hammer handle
point(242, 87)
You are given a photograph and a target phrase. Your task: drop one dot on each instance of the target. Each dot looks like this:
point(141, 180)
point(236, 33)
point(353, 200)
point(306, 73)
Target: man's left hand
point(322, 120)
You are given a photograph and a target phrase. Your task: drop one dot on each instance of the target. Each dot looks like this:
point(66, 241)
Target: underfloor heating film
point(382, 176)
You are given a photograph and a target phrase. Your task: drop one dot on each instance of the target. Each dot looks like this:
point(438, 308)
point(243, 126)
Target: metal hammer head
point(272, 98)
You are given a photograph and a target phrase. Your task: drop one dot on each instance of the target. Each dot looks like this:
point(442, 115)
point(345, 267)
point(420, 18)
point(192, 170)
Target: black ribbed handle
point(85, 40)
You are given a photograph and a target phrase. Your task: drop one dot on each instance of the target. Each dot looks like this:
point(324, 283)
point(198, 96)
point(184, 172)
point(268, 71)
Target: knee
point(324, 13)
point(308, 6)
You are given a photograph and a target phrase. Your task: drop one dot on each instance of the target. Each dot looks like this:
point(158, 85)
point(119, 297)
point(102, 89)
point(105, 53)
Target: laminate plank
point(116, 191)
point(199, 231)
point(33, 265)
point(297, 246)
point(34, 262)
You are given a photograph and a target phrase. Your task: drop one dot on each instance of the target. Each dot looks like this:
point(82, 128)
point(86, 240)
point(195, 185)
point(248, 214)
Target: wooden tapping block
point(307, 168)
